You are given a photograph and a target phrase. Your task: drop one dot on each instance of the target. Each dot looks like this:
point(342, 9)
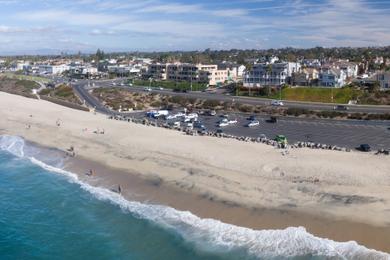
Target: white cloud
point(70, 18)
point(171, 9)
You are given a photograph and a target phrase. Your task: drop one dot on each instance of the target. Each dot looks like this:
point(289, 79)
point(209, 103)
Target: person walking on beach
point(119, 189)
point(90, 172)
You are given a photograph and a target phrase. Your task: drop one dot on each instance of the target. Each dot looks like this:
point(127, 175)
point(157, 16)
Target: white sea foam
point(214, 235)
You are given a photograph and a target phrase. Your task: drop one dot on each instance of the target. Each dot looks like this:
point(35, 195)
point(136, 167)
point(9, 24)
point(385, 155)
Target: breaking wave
point(212, 235)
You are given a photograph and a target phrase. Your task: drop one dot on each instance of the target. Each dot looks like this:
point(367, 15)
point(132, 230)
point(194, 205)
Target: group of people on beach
point(98, 131)
point(71, 152)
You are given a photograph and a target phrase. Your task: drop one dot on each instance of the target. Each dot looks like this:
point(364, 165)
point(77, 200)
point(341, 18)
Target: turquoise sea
point(47, 213)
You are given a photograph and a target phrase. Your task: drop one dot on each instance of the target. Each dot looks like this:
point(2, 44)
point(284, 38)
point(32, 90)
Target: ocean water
point(47, 213)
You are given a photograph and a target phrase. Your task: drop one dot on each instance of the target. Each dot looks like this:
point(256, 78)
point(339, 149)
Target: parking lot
point(344, 133)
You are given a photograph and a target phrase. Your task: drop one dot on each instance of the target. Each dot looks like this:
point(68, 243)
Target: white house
point(265, 74)
point(332, 78)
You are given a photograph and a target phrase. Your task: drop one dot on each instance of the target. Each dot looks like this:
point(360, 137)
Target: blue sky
point(155, 25)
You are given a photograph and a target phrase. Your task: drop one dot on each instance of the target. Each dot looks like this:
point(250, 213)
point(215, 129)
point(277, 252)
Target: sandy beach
point(338, 195)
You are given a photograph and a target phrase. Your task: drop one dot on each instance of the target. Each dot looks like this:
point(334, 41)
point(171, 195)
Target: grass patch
point(323, 95)
point(17, 86)
point(62, 92)
point(25, 77)
point(171, 85)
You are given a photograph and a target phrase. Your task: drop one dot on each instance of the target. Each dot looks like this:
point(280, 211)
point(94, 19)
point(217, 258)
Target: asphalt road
point(247, 100)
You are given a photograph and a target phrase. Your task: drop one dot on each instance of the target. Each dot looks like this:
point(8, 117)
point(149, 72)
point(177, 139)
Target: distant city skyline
point(48, 27)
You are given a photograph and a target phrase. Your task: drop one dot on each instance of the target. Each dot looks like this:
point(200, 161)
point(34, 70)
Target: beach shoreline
point(245, 184)
point(136, 188)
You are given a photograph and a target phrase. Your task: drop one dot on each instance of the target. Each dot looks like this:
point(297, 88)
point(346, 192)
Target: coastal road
point(90, 100)
point(247, 100)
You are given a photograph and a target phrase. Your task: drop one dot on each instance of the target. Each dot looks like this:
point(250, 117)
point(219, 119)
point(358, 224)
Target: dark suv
point(340, 108)
point(364, 148)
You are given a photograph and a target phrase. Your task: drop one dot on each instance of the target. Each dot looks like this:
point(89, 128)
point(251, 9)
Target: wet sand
point(155, 191)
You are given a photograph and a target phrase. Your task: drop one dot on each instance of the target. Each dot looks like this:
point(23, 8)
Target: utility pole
point(280, 92)
point(191, 81)
point(332, 94)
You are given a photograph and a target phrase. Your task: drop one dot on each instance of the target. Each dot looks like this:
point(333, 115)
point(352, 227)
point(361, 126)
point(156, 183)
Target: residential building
point(265, 74)
point(350, 68)
point(236, 70)
point(215, 76)
point(156, 71)
point(202, 73)
point(384, 80)
point(379, 60)
point(182, 72)
point(52, 69)
point(311, 63)
point(305, 77)
point(83, 71)
point(332, 78)
point(119, 69)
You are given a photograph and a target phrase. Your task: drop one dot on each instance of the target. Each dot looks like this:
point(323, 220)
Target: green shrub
point(211, 103)
point(246, 108)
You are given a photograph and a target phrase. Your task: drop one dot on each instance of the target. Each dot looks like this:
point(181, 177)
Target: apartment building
point(52, 69)
point(156, 71)
point(182, 72)
point(215, 76)
point(266, 74)
point(203, 73)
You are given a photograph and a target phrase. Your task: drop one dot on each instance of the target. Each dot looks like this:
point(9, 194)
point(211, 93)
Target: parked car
point(263, 136)
point(176, 124)
point(272, 119)
point(170, 117)
point(212, 113)
point(151, 113)
point(232, 121)
point(364, 148)
point(281, 139)
point(219, 131)
point(253, 123)
point(186, 119)
point(340, 108)
point(278, 103)
point(252, 118)
point(190, 125)
point(199, 124)
point(223, 124)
